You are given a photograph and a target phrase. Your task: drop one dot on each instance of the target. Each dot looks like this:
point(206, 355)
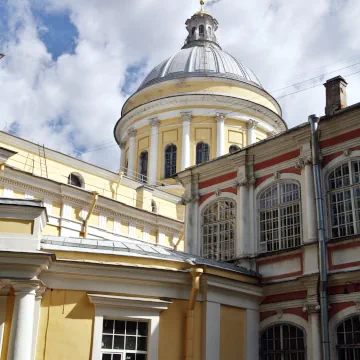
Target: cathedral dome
point(204, 59)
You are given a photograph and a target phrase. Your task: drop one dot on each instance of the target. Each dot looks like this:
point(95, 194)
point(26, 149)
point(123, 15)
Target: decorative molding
point(277, 175)
point(301, 162)
point(247, 181)
point(218, 192)
point(132, 132)
point(220, 117)
point(252, 124)
point(311, 308)
point(186, 116)
point(279, 313)
point(122, 145)
point(348, 152)
point(154, 122)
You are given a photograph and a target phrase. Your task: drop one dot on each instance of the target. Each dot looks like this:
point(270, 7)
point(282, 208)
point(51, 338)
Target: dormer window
point(202, 30)
point(75, 179)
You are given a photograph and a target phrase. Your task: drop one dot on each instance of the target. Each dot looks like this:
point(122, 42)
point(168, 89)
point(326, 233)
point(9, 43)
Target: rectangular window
point(124, 340)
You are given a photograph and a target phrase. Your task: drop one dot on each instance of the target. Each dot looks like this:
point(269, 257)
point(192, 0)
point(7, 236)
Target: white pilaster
point(190, 243)
point(252, 125)
point(122, 147)
point(116, 226)
point(132, 153)
point(314, 318)
point(3, 303)
point(102, 221)
point(310, 203)
point(220, 138)
point(22, 325)
point(185, 156)
point(242, 243)
point(252, 334)
point(8, 192)
point(132, 230)
point(211, 326)
point(48, 206)
point(66, 211)
point(154, 146)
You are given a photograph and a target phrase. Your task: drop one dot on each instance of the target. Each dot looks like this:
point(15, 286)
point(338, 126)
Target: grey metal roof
point(208, 60)
point(21, 202)
point(137, 248)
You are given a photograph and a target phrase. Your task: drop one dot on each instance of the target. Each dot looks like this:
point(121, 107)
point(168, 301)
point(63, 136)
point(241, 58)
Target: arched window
point(280, 217)
point(218, 230)
point(202, 30)
point(344, 194)
point(348, 339)
point(282, 342)
point(153, 207)
point(202, 152)
point(76, 179)
point(193, 30)
point(170, 161)
point(233, 148)
point(143, 166)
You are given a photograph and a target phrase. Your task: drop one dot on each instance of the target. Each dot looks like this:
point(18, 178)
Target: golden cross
point(202, 3)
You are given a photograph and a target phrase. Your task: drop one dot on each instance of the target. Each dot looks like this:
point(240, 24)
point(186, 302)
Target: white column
point(38, 298)
point(314, 318)
point(252, 125)
point(190, 243)
point(252, 334)
point(122, 147)
point(220, 136)
point(132, 153)
point(185, 156)
point(211, 330)
point(3, 304)
point(311, 215)
point(154, 146)
point(22, 325)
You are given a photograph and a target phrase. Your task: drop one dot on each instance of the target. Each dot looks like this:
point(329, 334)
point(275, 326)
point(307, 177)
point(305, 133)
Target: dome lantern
point(201, 28)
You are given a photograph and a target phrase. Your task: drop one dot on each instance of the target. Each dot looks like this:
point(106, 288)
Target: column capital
point(26, 286)
point(245, 181)
point(132, 132)
point(220, 117)
point(301, 162)
point(312, 308)
point(154, 121)
point(122, 145)
point(186, 116)
point(252, 124)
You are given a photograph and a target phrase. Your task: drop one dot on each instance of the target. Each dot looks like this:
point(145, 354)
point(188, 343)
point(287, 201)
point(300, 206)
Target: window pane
point(130, 342)
point(108, 326)
point(116, 357)
point(119, 342)
point(130, 356)
point(142, 328)
point(106, 357)
point(131, 328)
point(107, 342)
point(142, 343)
point(119, 327)
point(141, 357)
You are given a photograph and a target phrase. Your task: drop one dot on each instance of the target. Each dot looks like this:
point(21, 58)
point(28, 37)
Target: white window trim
point(127, 308)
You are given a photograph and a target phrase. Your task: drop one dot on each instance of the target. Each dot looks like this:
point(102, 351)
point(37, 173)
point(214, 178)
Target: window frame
point(337, 346)
point(77, 176)
point(204, 151)
point(203, 210)
point(128, 309)
point(277, 208)
point(176, 158)
point(350, 187)
point(281, 324)
point(143, 177)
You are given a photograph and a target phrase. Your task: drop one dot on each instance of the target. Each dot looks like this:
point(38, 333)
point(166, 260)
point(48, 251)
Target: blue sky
point(70, 65)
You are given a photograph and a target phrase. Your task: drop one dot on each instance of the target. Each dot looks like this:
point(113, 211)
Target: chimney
point(335, 95)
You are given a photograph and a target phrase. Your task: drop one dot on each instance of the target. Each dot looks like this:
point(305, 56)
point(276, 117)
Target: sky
point(70, 65)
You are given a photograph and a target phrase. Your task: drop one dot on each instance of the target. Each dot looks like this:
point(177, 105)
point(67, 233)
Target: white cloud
point(77, 99)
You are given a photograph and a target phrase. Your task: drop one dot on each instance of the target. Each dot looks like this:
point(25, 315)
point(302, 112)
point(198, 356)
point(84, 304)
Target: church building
point(205, 244)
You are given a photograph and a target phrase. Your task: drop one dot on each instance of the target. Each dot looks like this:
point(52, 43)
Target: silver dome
point(200, 61)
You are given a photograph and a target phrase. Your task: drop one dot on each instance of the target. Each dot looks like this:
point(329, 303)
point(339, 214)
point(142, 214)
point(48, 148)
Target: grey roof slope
point(138, 248)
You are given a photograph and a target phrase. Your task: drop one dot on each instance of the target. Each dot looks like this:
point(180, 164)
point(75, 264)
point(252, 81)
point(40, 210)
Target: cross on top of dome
point(201, 28)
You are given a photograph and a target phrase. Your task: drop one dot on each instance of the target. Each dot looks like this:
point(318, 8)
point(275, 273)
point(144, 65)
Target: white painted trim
point(136, 309)
point(334, 322)
point(252, 334)
point(211, 327)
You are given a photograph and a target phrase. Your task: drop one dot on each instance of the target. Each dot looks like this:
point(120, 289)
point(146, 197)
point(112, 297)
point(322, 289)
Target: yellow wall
point(232, 333)
point(56, 209)
point(76, 214)
point(16, 226)
point(1, 191)
point(139, 232)
point(65, 326)
point(190, 86)
point(124, 228)
point(152, 236)
point(94, 220)
point(7, 327)
point(18, 194)
point(51, 230)
point(172, 331)
point(110, 224)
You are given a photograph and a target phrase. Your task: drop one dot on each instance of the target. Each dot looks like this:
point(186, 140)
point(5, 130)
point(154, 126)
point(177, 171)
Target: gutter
point(190, 317)
point(315, 150)
point(86, 223)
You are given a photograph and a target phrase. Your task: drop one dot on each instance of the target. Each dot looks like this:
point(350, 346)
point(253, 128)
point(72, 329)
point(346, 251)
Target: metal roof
point(199, 61)
point(135, 248)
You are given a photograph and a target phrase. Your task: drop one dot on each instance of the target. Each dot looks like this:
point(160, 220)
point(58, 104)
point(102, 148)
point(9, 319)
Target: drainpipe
point(86, 223)
point(314, 122)
point(189, 347)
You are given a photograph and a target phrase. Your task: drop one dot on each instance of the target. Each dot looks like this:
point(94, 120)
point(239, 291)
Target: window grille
point(202, 153)
point(143, 166)
point(124, 340)
point(202, 30)
point(348, 339)
point(280, 217)
point(282, 342)
point(170, 161)
point(233, 148)
point(219, 230)
point(344, 198)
